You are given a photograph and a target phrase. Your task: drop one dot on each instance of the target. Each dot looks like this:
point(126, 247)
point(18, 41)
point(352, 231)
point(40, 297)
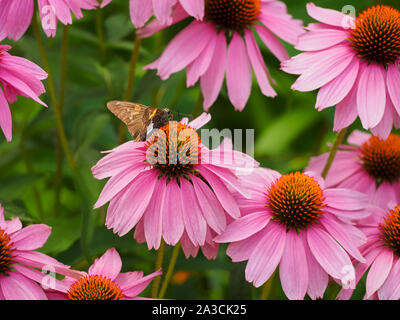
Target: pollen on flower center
point(390, 229)
point(6, 250)
point(95, 287)
point(381, 158)
point(233, 14)
point(174, 149)
point(376, 36)
point(296, 200)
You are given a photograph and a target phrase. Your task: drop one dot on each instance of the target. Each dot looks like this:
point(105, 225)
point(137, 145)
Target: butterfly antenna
point(182, 114)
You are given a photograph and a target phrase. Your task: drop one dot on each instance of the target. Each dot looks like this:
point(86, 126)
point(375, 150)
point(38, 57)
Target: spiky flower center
point(381, 158)
point(174, 150)
point(232, 14)
point(390, 229)
point(296, 200)
point(95, 287)
point(376, 36)
point(6, 250)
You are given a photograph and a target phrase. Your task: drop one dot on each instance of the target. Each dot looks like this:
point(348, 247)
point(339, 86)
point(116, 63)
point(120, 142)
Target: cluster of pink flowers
point(335, 228)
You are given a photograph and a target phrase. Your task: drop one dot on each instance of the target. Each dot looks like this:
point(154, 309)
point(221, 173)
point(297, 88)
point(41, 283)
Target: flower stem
point(170, 270)
point(338, 141)
point(131, 77)
point(53, 96)
point(159, 261)
point(58, 178)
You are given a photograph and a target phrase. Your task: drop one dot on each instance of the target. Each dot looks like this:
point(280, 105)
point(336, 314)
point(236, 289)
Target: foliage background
point(288, 131)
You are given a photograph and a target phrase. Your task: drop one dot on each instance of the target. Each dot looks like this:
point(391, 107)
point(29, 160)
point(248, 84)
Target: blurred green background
point(288, 131)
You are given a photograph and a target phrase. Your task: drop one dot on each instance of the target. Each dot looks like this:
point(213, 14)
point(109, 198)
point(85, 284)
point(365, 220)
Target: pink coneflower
point(382, 253)
point(16, 15)
point(224, 43)
point(169, 196)
point(141, 11)
point(21, 276)
point(104, 281)
point(369, 165)
point(295, 222)
point(355, 64)
point(18, 76)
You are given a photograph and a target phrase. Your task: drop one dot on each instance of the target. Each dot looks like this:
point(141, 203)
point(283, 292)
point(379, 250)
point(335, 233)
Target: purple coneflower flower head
point(355, 65)
point(381, 252)
point(172, 187)
point(141, 11)
point(223, 44)
point(369, 165)
point(24, 271)
point(295, 222)
point(16, 15)
point(18, 76)
point(104, 281)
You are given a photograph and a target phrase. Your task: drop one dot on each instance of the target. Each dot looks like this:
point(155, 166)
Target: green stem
point(64, 63)
point(338, 141)
point(170, 270)
point(131, 77)
point(159, 261)
point(53, 96)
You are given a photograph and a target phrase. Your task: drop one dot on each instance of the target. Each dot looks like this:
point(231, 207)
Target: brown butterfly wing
point(134, 115)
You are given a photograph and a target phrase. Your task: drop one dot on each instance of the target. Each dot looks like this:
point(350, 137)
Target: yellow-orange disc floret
point(6, 251)
point(376, 36)
point(390, 229)
point(95, 287)
point(296, 200)
point(381, 158)
point(233, 14)
point(174, 150)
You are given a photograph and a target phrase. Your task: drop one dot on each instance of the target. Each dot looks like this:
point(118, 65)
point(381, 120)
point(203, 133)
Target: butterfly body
point(139, 118)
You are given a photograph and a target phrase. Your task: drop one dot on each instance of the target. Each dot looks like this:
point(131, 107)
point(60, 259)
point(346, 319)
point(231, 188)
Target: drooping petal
point(31, 237)
point(238, 73)
point(293, 269)
point(172, 224)
point(379, 271)
point(393, 80)
point(371, 95)
point(194, 7)
point(140, 11)
point(108, 265)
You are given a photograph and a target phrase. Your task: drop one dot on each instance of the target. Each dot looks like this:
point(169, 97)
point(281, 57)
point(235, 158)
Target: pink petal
point(162, 10)
point(194, 7)
point(199, 66)
point(379, 271)
point(321, 39)
point(325, 69)
point(273, 44)
point(339, 233)
point(371, 95)
point(346, 110)
point(238, 73)
point(384, 128)
point(258, 64)
point(31, 237)
point(108, 265)
point(211, 82)
point(222, 193)
point(390, 290)
point(195, 224)
point(328, 16)
point(184, 48)
point(293, 268)
point(140, 11)
point(242, 250)
point(345, 199)
point(244, 227)
point(335, 91)
point(5, 117)
point(317, 277)
point(172, 219)
point(332, 258)
point(266, 255)
point(213, 212)
point(153, 216)
point(137, 286)
point(393, 81)
point(15, 286)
